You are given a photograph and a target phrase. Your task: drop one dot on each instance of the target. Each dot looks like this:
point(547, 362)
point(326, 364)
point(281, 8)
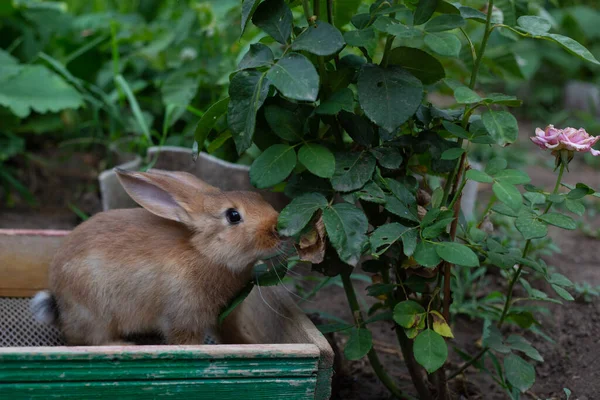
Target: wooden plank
point(111, 363)
point(222, 389)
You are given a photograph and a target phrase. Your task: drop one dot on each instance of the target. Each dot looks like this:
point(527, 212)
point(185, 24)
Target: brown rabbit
point(168, 267)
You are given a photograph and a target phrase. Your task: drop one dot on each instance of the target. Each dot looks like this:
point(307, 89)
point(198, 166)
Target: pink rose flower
point(570, 139)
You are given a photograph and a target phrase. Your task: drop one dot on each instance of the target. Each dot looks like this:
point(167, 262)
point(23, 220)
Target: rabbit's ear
point(160, 194)
point(186, 178)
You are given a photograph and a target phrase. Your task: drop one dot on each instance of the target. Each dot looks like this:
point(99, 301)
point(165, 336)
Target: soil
point(572, 361)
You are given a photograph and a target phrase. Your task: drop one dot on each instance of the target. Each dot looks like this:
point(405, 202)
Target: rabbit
point(169, 267)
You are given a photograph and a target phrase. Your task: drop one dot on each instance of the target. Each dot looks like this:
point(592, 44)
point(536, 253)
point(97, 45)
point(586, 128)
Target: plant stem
point(372, 355)
point(489, 206)
point(330, 12)
point(306, 7)
point(486, 36)
point(317, 8)
point(511, 284)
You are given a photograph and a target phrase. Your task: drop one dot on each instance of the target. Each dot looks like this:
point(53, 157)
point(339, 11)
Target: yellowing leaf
point(440, 325)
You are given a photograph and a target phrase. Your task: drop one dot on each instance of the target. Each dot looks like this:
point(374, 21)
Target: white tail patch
point(43, 308)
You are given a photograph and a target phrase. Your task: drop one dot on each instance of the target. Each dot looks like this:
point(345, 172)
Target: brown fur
point(170, 270)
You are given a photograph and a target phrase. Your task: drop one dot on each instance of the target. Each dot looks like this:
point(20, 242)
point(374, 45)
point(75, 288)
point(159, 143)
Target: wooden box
point(287, 358)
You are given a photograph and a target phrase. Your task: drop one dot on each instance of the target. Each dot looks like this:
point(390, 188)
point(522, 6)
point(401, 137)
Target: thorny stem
point(372, 355)
point(511, 285)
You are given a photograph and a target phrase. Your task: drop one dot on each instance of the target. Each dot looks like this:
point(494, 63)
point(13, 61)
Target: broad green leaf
point(318, 159)
point(535, 198)
point(503, 209)
point(208, 120)
point(424, 11)
point(295, 77)
point(562, 293)
point(408, 313)
point(445, 22)
point(519, 343)
point(319, 38)
point(495, 165)
point(575, 206)
point(218, 142)
point(464, 95)
point(397, 207)
point(479, 176)
point(472, 13)
point(457, 253)
point(453, 153)
point(512, 176)
point(380, 289)
point(275, 18)
point(394, 28)
point(507, 12)
point(502, 99)
point(573, 47)
point(296, 215)
point(401, 190)
point(421, 64)
point(359, 344)
point(426, 255)
point(430, 350)
point(272, 166)
point(519, 373)
point(560, 220)
point(352, 170)
point(358, 128)
point(248, 8)
point(440, 326)
point(285, 123)
point(341, 100)
point(247, 92)
point(508, 194)
point(258, 55)
point(530, 226)
point(346, 227)
point(456, 130)
point(501, 125)
point(371, 193)
point(342, 11)
point(534, 25)
point(388, 96)
point(443, 43)
point(388, 234)
point(388, 157)
point(36, 88)
point(436, 229)
point(179, 89)
point(360, 37)
point(492, 338)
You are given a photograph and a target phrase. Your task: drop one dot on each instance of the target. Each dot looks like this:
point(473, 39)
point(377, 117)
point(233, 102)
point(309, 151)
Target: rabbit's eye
point(233, 216)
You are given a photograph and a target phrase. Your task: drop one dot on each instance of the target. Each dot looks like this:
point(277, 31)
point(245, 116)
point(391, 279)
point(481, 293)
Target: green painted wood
point(222, 389)
point(323, 387)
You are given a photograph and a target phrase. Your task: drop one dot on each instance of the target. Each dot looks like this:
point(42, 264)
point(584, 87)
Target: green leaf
point(492, 338)
point(573, 47)
point(478, 176)
point(208, 120)
point(247, 92)
point(135, 107)
point(495, 165)
point(296, 215)
point(319, 38)
point(358, 128)
point(379, 289)
point(179, 89)
point(456, 130)
point(275, 18)
point(35, 87)
point(562, 293)
point(443, 43)
point(424, 11)
point(457, 253)
point(237, 300)
point(341, 100)
point(512, 176)
point(426, 255)
point(534, 25)
point(359, 344)
point(464, 95)
point(248, 8)
point(445, 22)
point(519, 373)
point(560, 220)
point(272, 166)
point(388, 96)
point(388, 157)
point(318, 159)
point(388, 234)
point(408, 313)
point(430, 350)
point(508, 194)
point(258, 55)
point(334, 327)
point(453, 153)
point(503, 209)
point(346, 227)
point(575, 206)
point(372, 193)
point(502, 99)
point(535, 198)
point(360, 37)
point(352, 170)
point(394, 28)
point(472, 13)
point(342, 11)
point(284, 123)
point(295, 77)
point(421, 64)
point(501, 125)
point(530, 226)
point(521, 344)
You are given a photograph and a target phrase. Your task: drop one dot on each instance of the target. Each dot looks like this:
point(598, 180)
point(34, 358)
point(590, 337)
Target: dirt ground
point(573, 361)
